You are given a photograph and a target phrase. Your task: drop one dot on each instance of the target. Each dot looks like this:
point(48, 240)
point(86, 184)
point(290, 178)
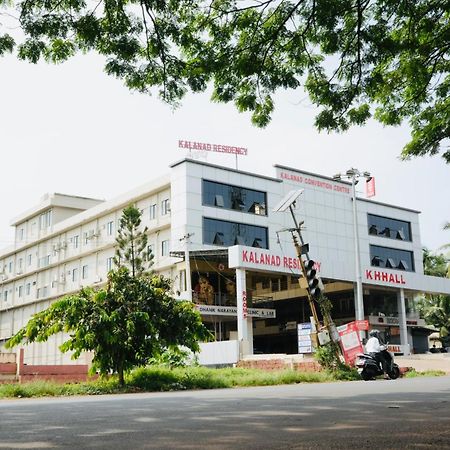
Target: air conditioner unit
point(98, 279)
point(63, 245)
point(19, 272)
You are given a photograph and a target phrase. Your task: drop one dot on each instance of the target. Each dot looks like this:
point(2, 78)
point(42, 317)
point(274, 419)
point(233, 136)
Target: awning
point(208, 255)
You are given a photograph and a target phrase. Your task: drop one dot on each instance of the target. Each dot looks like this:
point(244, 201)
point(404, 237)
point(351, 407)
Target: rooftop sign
point(219, 148)
point(309, 180)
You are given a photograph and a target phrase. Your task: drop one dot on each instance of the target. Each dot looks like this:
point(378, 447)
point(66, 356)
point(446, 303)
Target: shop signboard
point(260, 259)
point(350, 342)
point(304, 337)
point(362, 325)
point(216, 310)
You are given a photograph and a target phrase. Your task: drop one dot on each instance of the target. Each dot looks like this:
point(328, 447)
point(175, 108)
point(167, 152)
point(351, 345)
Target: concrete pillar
point(402, 321)
point(244, 324)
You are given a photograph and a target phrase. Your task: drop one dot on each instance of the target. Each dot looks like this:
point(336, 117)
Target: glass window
point(221, 232)
point(20, 291)
point(109, 263)
point(165, 207)
point(76, 240)
point(233, 197)
point(45, 220)
point(152, 211)
point(389, 228)
point(165, 248)
point(391, 258)
point(27, 288)
point(30, 258)
point(110, 228)
point(84, 272)
point(74, 274)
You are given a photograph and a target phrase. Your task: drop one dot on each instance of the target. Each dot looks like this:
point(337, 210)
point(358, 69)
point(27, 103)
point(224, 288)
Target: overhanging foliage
point(357, 59)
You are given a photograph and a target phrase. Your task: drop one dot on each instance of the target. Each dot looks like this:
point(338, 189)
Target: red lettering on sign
point(384, 276)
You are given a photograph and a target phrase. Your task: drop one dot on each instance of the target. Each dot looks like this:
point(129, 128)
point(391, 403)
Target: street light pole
point(359, 304)
point(353, 175)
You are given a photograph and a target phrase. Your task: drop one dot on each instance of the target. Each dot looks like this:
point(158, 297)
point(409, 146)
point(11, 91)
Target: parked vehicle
point(369, 367)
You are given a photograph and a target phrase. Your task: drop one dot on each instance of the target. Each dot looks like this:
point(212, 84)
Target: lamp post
point(353, 176)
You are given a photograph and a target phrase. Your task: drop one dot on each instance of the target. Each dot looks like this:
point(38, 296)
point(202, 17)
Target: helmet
point(374, 333)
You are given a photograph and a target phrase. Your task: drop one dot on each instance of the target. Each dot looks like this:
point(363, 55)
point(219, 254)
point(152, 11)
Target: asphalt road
point(406, 413)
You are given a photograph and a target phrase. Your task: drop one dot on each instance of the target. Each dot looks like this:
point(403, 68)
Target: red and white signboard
point(370, 188)
point(315, 182)
point(206, 147)
point(362, 325)
point(263, 260)
point(386, 277)
point(244, 304)
point(350, 341)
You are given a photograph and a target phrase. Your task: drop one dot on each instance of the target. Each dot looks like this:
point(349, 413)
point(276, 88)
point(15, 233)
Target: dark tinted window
point(221, 232)
point(389, 228)
point(391, 258)
point(233, 197)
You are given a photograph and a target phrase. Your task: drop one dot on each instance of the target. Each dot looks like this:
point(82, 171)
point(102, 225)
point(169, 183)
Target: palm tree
point(435, 309)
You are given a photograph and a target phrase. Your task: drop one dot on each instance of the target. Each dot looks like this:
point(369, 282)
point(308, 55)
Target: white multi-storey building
point(202, 210)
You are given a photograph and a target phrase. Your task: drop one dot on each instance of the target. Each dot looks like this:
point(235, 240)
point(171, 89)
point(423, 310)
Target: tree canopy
point(126, 324)
point(387, 59)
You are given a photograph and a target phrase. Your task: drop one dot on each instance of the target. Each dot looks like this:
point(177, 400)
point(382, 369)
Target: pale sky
point(74, 130)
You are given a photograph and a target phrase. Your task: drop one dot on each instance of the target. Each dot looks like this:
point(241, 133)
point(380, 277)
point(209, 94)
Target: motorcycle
point(369, 367)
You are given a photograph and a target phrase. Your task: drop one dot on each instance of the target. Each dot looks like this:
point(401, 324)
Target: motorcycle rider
point(375, 346)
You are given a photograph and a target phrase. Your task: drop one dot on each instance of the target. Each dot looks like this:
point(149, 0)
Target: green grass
point(426, 373)
point(159, 379)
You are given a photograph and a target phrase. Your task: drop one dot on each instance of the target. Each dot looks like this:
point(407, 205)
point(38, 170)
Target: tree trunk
point(121, 375)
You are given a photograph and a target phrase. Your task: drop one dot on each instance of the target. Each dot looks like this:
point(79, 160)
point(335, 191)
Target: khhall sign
point(391, 278)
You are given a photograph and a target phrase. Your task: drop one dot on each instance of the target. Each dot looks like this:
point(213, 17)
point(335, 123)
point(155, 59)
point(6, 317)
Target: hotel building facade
point(213, 231)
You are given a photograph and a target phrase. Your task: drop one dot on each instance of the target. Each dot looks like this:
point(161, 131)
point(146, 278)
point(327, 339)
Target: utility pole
point(315, 286)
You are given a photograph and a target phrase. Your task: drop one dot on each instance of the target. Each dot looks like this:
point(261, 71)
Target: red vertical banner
point(244, 304)
point(370, 187)
point(350, 342)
